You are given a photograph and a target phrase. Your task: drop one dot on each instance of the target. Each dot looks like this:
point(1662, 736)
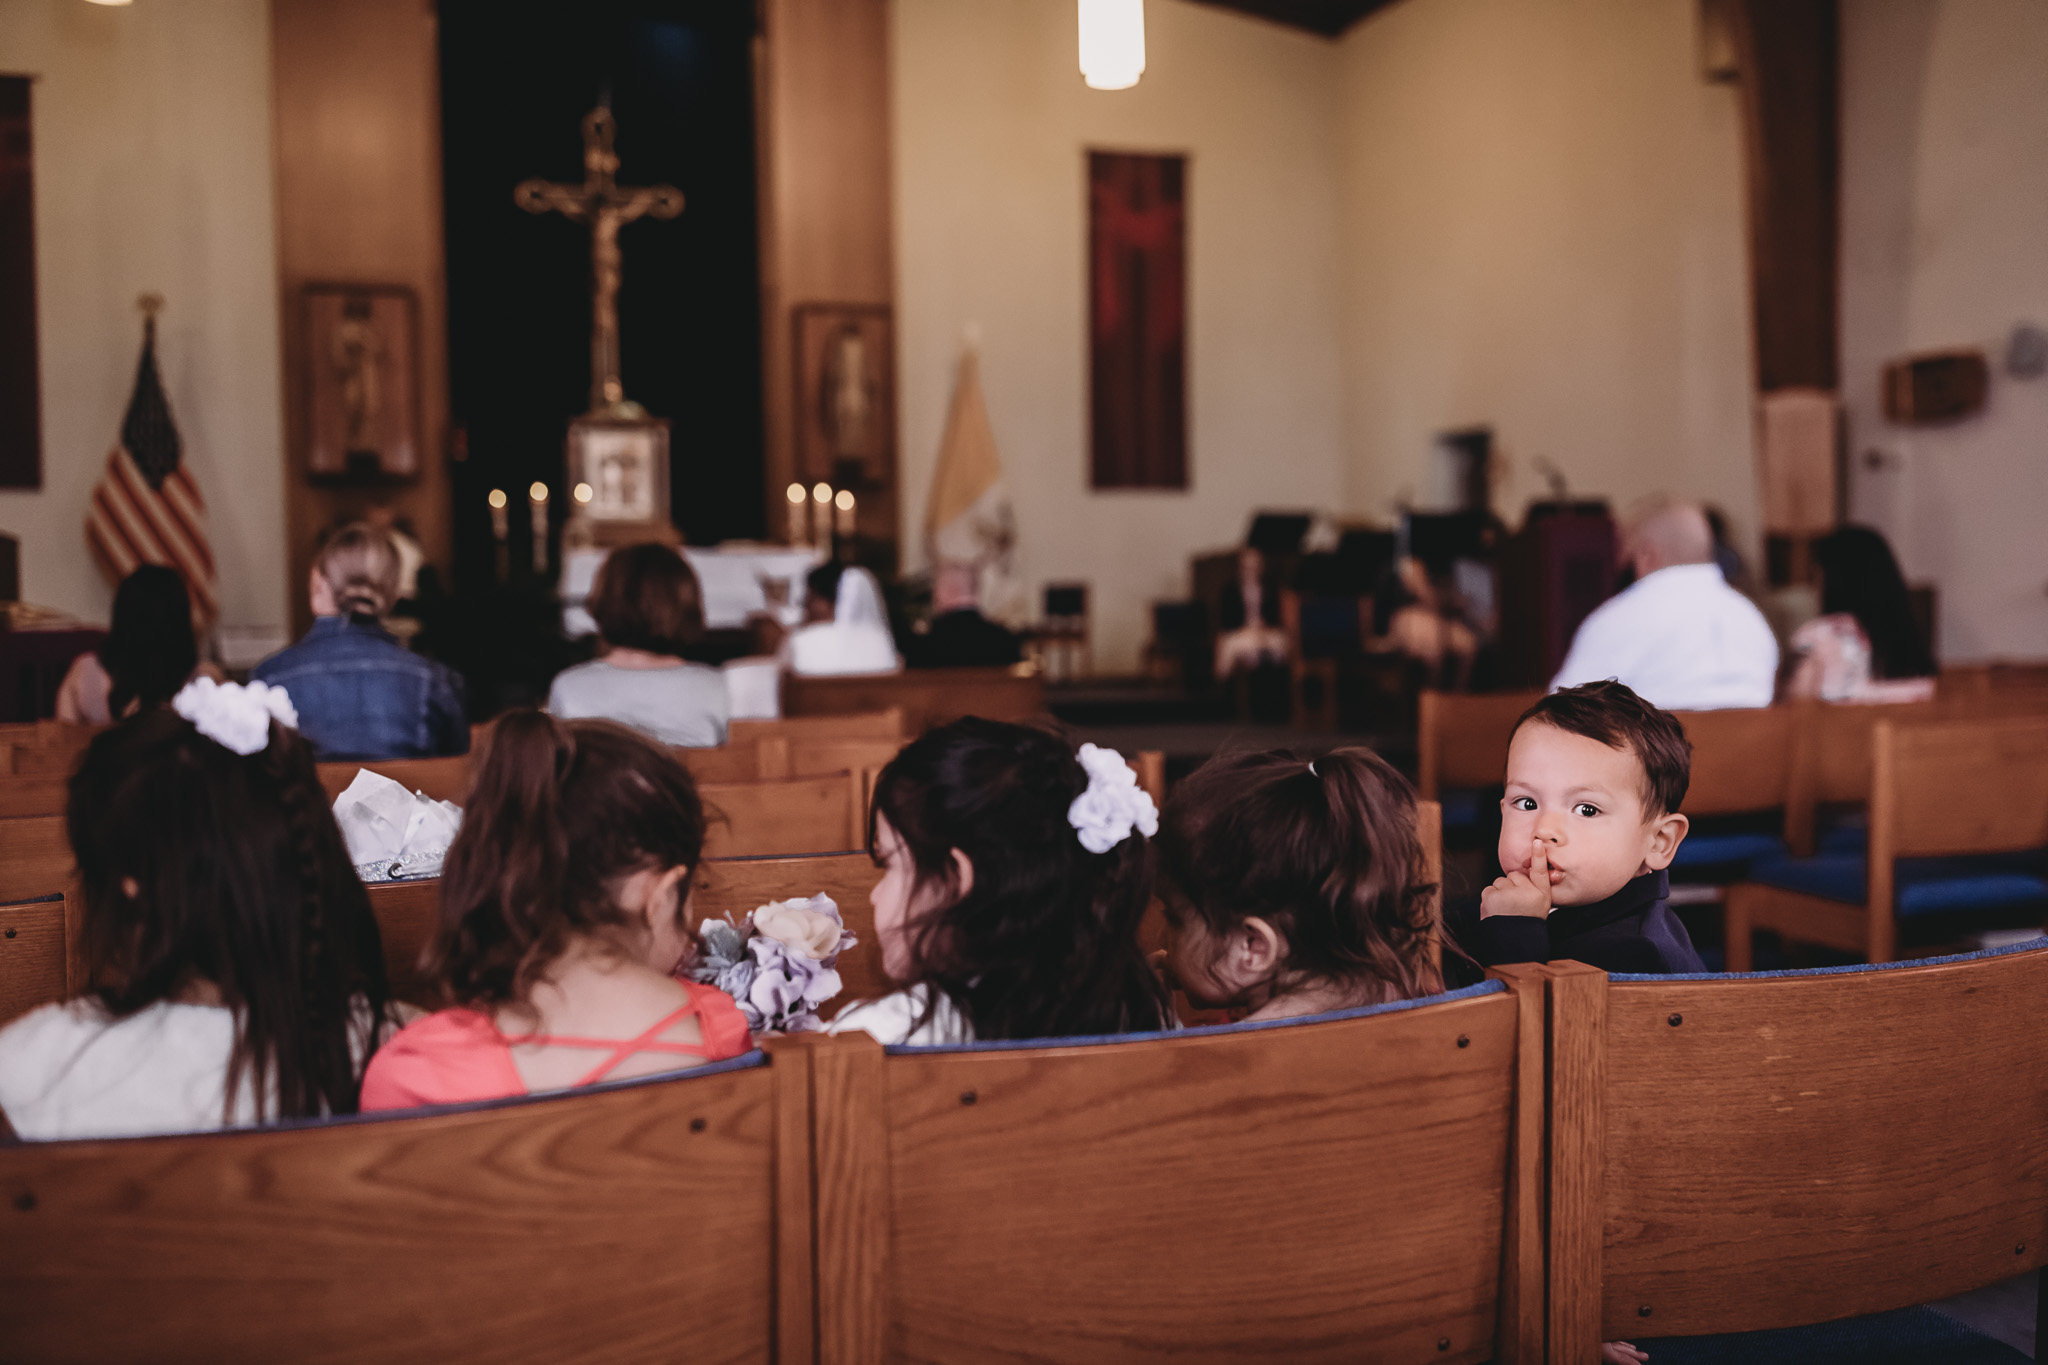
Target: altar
point(734, 578)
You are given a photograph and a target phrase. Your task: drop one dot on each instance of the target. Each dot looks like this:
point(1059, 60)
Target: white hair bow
point(234, 716)
point(1114, 804)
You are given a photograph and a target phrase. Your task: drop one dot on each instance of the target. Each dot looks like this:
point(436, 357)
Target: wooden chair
point(926, 696)
point(1937, 791)
point(1741, 765)
point(406, 915)
point(823, 814)
point(736, 886)
point(1733, 1154)
point(1361, 1187)
point(444, 779)
point(32, 960)
point(660, 1219)
point(1462, 738)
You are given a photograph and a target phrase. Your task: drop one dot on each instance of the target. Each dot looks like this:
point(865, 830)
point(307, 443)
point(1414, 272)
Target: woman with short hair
point(649, 609)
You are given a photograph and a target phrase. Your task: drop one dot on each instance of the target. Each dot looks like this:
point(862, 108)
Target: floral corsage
point(777, 963)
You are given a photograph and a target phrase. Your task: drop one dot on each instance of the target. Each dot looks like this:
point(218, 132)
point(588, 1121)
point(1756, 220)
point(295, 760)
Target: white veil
point(856, 641)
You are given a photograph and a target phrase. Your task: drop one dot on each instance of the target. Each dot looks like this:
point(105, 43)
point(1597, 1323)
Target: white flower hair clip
point(235, 716)
point(1114, 804)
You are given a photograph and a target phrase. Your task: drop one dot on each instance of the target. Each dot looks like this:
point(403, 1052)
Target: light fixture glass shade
point(113, 2)
point(1112, 43)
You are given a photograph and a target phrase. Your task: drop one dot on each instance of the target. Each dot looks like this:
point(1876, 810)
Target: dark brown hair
point(1612, 713)
point(1325, 853)
point(360, 565)
point(149, 651)
point(242, 881)
point(1045, 942)
point(560, 812)
point(646, 597)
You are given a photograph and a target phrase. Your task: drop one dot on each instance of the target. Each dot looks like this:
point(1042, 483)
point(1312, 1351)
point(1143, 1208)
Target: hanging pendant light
point(1112, 43)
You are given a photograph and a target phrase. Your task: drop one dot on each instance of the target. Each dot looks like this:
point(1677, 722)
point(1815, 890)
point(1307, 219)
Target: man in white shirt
point(1679, 635)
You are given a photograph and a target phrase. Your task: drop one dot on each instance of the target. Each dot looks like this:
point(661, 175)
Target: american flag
point(146, 509)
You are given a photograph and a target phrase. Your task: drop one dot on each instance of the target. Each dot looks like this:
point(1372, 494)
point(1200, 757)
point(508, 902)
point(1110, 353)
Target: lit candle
point(821, 513)
point(538, 497)
point(500, 526)
point(796, 514)
point(842, 522)
point(584, 492)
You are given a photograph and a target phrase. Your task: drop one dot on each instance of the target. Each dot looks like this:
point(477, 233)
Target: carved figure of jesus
point(356, 352)
point(607, 206)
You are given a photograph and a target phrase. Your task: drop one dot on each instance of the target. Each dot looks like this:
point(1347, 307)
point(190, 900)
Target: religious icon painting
point(618, 479)
point(361, 374)
point(845, 398)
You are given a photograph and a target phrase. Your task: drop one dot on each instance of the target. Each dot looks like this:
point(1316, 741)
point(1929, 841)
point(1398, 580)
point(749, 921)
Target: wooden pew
point(32, 964)
point(23, 797)
point(1360, 1188)
point(1462, 738)
point(1936, 790)
point(660, 1219)
point(926, 696)
point(883, 723)
point(407, 913)
point(444, 779)
point(736, 886)
point(824, 814)
point(1732, 1154)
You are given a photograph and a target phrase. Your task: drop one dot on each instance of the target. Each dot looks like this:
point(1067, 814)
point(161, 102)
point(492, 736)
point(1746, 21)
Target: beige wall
point(991, 125)
point(153, 172)
point(1945, 243)
point(1543, 231)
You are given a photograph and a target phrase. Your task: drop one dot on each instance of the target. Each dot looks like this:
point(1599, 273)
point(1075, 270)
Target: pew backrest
point(1741, 759)
point(1745, 1152)
point(444, 779)
point(24, 797)
point(647, 1220)
point(822, 814)
point(407, 913)
point(1203, 1194)
point(882, 723)
point(32, 964)
point(1462, 738)
point(1955, 787)
point(926, 696)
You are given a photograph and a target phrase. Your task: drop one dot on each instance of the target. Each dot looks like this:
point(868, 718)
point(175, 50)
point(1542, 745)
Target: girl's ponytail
point(1380, 907)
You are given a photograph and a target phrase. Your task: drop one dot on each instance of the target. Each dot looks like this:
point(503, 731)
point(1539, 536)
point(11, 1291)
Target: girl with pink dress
point(565, 909)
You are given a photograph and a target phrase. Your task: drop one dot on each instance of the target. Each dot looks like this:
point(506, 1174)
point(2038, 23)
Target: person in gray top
point(648, 608)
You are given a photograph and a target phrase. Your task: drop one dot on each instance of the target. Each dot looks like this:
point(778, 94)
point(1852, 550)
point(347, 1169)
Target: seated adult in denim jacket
point(358, 691)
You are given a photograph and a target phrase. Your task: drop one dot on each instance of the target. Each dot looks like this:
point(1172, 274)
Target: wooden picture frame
point(845, 396)
point(362, 377)
point(618, 479)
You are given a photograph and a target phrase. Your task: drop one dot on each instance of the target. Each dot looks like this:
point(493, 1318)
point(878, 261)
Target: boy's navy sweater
point(1633, 930)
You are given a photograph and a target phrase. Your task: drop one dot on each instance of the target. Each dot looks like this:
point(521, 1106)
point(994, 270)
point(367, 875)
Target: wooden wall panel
point(357, 115)
point(822, 87)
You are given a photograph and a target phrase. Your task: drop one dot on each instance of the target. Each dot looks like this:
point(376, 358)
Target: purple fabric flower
point(777, 984)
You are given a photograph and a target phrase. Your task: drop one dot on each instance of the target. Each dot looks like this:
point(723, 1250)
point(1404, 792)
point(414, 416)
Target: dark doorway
point(517, 77)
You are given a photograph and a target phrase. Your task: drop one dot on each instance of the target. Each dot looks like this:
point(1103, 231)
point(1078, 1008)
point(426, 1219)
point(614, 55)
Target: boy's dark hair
point(561, 811)
point(1326, 854)
point(149, 653)
point(1045, 942)
point(1612, 713)
point(240, 880)
point(647, 597)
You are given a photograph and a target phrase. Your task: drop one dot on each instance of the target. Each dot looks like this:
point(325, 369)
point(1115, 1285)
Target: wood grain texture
point(599, 1227)
point(1973, 786)
point(736, 886)
point(824, 814)
point(1741, 759)
point(26, 797)
point(1801, 1149)
point(1462, 738)
point(32, 970)
point(444, 779)
point(1578, 1056)
point(58, 760)
point(796, 1278)
point(730, 763)
point(851, 1155)
point(926, 696)
point(35, 857)
point(1324, 1193)
point(1519, 1339)
point(407, 913)
point(882, 723)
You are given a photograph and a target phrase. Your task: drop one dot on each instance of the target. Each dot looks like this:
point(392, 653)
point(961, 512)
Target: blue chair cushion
point(1462, 807)
point(1717, 850)
point(1925, 886)
point(1905, 1336)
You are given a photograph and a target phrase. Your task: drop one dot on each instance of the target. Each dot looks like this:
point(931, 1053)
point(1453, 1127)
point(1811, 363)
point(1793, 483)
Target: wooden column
point(356, 108)
point(822, 93)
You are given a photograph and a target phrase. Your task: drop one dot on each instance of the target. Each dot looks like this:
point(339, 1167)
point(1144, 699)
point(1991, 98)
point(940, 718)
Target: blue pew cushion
point(1716, 850)
point(1924, 886)
point(1905, 1336)
point(1462, 807)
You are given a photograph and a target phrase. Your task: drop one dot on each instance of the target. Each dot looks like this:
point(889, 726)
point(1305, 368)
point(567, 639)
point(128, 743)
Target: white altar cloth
point(730, 576)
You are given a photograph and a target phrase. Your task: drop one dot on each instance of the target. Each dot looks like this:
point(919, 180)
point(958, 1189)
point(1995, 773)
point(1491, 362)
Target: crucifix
point(607, 206)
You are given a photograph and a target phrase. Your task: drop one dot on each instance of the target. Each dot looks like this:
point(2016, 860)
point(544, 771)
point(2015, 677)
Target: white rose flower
point(806, 931)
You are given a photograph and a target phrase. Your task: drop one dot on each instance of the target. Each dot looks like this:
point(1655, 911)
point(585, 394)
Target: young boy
point(1589, 823)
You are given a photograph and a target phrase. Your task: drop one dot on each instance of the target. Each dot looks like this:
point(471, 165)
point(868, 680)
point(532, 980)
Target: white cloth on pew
point(893, 1019)
point(392, 832)
point(68, 1071)
point(1682, 639)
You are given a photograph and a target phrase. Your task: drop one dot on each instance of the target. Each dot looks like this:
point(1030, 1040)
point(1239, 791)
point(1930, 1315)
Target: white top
point(1682, 639)
point(66, 1071)
point(893, 1019)
point(685, 705)
point(855, 640)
